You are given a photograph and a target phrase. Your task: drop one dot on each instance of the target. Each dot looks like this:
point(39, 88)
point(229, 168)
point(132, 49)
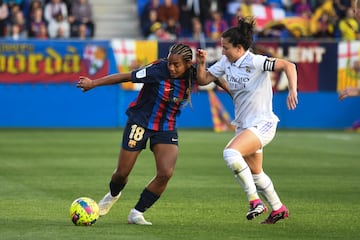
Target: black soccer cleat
point(256, 208)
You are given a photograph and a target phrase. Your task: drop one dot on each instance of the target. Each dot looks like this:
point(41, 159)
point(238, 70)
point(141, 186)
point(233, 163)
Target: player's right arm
point(202, 75)
point(87, 84)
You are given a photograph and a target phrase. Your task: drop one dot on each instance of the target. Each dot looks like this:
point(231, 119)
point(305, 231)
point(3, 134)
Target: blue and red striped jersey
point(161, 98)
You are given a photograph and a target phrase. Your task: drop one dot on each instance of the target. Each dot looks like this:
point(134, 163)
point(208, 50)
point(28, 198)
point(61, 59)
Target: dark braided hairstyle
point(241, 34)
point(183, 50)
point(187, 55)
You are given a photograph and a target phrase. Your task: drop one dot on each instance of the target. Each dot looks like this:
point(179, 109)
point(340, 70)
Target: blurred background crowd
point(43, 19)
point(169, 19)
point(191, 19)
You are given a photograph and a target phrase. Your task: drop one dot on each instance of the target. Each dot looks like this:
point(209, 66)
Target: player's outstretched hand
point(85, 84)
point(292, 100)
point(349, 92)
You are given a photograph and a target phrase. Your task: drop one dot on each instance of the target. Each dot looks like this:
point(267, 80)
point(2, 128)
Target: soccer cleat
point(107, 202)
point(136, 217)
point(256, 208)
point(275, 216)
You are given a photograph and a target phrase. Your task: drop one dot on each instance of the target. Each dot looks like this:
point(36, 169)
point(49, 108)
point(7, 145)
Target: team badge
point(141, 73)
point(247, 69)
point(132, 143)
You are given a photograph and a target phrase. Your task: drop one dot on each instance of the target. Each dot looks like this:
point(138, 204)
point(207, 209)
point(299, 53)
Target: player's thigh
point(165, 148)
point(265, 131)
point(246, 142)
point(126, 162)
point(253, 139)
point(165, 157)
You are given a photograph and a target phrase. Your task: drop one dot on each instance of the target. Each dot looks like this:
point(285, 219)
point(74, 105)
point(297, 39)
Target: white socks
point(266, 188)
point(251, 183)
point(237, 164)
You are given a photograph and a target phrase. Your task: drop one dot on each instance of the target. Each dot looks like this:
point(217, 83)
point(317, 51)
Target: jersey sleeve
point(218, 68)
point(264, 63)
point(147, 74)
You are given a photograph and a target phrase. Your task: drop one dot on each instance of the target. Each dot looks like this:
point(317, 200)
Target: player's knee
point(164, 176)
point(234, 160)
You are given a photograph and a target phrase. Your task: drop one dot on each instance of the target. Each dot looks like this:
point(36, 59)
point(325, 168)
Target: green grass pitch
point(316, 174)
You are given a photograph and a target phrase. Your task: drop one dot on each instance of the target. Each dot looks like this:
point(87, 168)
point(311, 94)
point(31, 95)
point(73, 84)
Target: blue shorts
point(135, 137)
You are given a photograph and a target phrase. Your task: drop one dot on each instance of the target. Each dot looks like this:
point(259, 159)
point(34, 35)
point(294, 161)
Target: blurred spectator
point(159, 33)
point(147, 16)
point(314, 4)
point(25, 7)
point(325, 27)
point(197, 32)
point(325, 7)
point(199, 8)
point(303, 8)
point(234, 20)
point(246, 8)
point(341, 6)
point(82, 31)
point(68, 3)
point(52, 10)
point(173, 27)
point(13, 10)
point(35, 4)
point(197, 29)
point(43, 33)
point(215, 5)
point(82, 13)
point(18, 20)
point(4, 13)
point(349, 27)
point(37, 23)
point(59, 27)
point(15, 32)
point(168, 10)
point(215, 26)
point(186, 14)
point(288, 5)
point(146, 26)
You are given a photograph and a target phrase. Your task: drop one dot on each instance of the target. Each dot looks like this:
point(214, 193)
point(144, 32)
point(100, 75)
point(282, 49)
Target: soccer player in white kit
point(248, 79)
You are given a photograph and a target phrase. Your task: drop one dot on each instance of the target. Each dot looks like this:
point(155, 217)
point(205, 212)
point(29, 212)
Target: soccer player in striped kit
point(249, 82)
point(167, 85)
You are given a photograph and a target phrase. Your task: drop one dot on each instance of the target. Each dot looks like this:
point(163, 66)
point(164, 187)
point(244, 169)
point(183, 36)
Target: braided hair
point(183, 50)
point(241, 34)
point(187, 55)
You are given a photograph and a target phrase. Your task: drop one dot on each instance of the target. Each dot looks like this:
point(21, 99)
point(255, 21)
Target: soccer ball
point(84, 211)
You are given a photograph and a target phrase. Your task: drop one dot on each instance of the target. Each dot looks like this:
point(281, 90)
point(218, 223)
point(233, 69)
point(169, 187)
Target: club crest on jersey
point(132, 143)
point(247, 69)
point(141, 73)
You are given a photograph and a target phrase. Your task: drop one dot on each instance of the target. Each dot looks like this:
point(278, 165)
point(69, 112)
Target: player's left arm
point(349, 92)
point(291, 73)
point(86, 83)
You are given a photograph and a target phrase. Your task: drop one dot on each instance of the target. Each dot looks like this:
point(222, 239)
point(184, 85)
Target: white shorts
point(265, 131)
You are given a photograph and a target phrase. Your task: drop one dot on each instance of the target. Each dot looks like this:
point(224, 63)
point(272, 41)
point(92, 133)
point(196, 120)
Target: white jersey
point(250, 86)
